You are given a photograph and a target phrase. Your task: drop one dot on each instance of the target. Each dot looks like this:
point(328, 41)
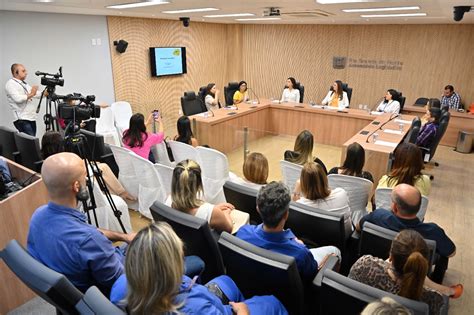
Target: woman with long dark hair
point(137, 139)
point(241, 94)
point(390, 103)
point(336, 96)
point(291, 93)
point(185, 134)
point(430, 128)
point(354, 163)
point(211, 98)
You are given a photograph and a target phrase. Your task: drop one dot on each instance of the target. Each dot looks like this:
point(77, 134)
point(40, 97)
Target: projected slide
point(169, 61)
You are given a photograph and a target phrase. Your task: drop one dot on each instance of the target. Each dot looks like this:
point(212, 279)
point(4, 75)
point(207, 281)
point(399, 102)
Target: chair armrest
point(331, 264)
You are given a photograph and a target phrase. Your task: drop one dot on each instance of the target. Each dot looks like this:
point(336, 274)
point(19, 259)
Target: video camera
point(77, 107)
point(51, 80)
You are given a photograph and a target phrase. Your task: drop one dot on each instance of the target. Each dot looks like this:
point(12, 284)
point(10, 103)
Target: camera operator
point(20, 98)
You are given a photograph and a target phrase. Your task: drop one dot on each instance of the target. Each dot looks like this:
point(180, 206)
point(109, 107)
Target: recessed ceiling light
point(260, 19)
point(43, 1)
point(382, 9)
point(342, 1)
point(190, 10)
point(228, 15)
point(137, 4)
point(392, 15)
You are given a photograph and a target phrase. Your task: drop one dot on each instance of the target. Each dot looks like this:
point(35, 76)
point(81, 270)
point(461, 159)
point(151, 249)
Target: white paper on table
point(393, 131)
point(319, 106)
point(205, 114)
point(232, 107)
point(376, 113)
point(402, 121)
point(276, 101)
point(386, 143)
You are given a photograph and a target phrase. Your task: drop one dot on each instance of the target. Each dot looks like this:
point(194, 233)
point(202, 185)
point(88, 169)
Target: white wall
point(45, 41)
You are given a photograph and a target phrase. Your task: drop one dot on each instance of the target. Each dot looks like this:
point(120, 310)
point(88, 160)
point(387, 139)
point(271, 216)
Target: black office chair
point(30, 153)
point(8, 147)
point(244, 199)
point(348, 90)
point(317, 227)
point(198, 238)
point(401, 100)
point(377, 241)
point(414, 130)
point(341, 295)
point(50, 285)
point(229, 92)
point(95, 303)
point(258, 271)
point(421, 101)
point(443, 126)
point(191, 105)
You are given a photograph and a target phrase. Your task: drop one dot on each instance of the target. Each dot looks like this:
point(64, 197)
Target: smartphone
point(156, 113)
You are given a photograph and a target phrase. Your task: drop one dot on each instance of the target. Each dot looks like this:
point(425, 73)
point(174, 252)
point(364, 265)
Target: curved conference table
point(224, 131)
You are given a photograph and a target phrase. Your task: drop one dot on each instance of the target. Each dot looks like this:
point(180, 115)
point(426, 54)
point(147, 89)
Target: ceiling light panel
point(190, 10)
point(392, 15)
point(136, 4)
point(260, 19)
point(381, 9)
point(228, 15)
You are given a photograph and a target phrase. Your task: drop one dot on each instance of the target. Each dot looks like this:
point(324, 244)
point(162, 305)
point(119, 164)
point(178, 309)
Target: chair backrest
point(383, 200)
point(421, 101)
point(127, 176)
point(414, 130)
point(358, 190)
point(341, 295)
point(50, 285)
point(105, 123)
point(95, 149)
point(122, 113)
point(160, 153)
point(183, 151)
point(401, 100)
point(258, 271)
point(191, 105)
point(243, 198)
point(202, 95)
point(300, 87)
point(95, 303)
point(317, 226)
point(377, 241)
point(30, 153)
point(165, 173)
point(197, 237)
point(7, 143)
point(229, 92)
point(215, 171)
point(348, 90)
point(442, 127)
point(290, 173)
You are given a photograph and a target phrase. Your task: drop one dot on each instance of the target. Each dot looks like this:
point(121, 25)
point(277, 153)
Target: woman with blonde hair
point(255, 171)
point(303, 150)
point(186, 193)
point(154, 282)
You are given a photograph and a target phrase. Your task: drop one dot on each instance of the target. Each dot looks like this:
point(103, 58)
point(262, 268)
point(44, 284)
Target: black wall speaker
point(121, 46)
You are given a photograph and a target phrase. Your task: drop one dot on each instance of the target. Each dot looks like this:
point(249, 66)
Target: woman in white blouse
point(389, 104)
point(336, 97)
point(212, 97)
point(291, 93)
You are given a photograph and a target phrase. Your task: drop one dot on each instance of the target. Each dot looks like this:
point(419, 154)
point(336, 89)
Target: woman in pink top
point(138, 140)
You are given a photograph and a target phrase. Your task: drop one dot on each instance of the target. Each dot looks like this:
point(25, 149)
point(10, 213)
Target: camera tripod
point(49, 119)
point(77, 143)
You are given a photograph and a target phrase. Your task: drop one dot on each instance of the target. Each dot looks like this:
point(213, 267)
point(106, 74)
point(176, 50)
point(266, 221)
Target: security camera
point(185, 21)
point(459, 12)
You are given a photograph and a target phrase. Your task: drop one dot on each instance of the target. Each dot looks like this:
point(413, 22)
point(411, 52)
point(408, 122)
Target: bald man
point(406, 202)
point(20, 98)
point(60, 236)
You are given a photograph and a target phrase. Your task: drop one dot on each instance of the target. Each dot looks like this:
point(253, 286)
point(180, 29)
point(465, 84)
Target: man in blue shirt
point(406, 202)
point(60, 236)
point(273, 203)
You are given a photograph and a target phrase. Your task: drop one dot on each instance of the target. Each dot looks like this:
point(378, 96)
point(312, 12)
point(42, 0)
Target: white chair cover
point(183, 151)
point(290, 172)
point(358, 190)
point(165, 173)
point(383, 199)
point(105, 126)
point(127, 175)
point(150, 188)
point(122, 113)
point(215, 172)
point(161, 154)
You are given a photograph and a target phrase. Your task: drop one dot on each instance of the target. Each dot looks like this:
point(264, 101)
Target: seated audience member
point(404, 273)
point(273, 203)
point(137, 139)
point(312, 189)
point(432, 103)
point(390, 103)
point(385, 306)
point(336, 96)
point(255, 171)
point(406, 202)
point(241, 94)
point(291, 93)
point(303, 150)
point(59, 235)
point(52, 143)
point(406, 169)
point(450, 99)
point(186, 193)
point(154, 282)
point(185, 134)
point(354, 163)
point(430, 128)
point(211, 98)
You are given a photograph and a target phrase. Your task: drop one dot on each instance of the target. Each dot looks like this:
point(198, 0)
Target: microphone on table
point(392, 117)
point(255, 94)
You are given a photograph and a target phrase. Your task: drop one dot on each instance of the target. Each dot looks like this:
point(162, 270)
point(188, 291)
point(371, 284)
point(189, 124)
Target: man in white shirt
point(20, 98)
